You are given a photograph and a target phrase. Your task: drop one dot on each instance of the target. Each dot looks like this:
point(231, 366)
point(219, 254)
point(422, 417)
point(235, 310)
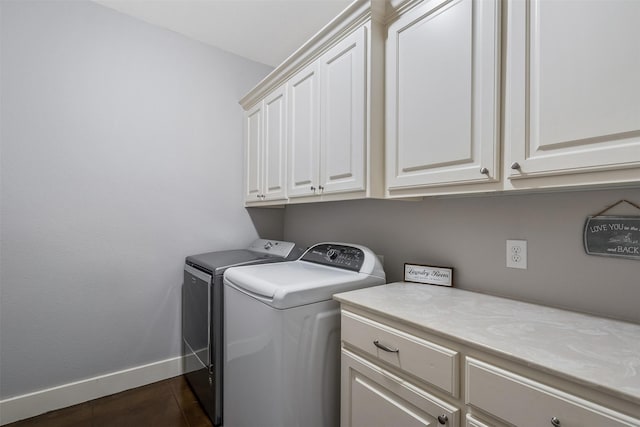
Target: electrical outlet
point(517, 254)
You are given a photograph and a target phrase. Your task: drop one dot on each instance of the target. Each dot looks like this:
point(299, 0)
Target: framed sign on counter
point(427, 274)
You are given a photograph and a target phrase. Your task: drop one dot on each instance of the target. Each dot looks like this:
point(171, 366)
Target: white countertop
point(599, 352)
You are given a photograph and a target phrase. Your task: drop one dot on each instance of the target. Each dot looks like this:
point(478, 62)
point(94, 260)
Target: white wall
point(470, 235)
point(121, 154)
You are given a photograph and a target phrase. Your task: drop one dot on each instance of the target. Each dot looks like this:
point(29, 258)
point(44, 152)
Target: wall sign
point(613, 236)
point(442, 276)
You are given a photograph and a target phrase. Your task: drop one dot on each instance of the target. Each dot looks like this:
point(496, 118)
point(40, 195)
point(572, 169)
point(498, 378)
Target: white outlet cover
point(517, 254)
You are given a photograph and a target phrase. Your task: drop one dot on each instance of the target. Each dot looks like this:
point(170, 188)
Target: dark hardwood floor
point(168, 403)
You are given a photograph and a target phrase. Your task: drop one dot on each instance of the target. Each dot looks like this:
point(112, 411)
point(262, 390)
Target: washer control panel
point(335, 255)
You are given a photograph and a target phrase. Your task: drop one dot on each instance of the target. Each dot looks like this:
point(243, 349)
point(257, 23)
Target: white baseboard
point(36, 403)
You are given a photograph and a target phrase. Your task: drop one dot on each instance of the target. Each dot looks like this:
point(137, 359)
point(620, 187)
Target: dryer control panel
point(335, 255)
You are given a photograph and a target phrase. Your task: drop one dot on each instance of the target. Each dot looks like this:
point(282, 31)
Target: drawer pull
point(442, 419)
point(555, 422)
point(385, 348)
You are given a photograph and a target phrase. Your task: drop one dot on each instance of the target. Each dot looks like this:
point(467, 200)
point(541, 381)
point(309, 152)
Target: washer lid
point(295, 283)
point(217, 262)
point(260, 251)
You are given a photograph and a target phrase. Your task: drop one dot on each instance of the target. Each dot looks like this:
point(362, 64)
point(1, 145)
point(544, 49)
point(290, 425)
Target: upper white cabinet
point(304, 132)
point(572, 92)
point(442, 87)
point(333, 90)
point(265, 135)
point(327, 121)
point(343, 115)
point(253, 137)
point(411, 98)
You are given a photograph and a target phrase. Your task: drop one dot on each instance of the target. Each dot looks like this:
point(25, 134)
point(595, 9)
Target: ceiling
point(266, 31)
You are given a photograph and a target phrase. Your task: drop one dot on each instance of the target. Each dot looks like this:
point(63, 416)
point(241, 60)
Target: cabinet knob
point(515, 166)
point(442, 419)
point(555, 422)
point(484, 171)
point(321, 188)
point(313, 188)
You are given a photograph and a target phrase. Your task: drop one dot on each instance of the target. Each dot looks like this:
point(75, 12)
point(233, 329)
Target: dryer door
point(196, 316)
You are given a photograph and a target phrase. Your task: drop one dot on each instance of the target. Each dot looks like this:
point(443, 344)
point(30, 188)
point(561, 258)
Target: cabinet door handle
point(313, 188)
point(385, 348)
point(555, 422)
point(515, 166)
point(321, 188)
point(442, 419)
point(484, 171)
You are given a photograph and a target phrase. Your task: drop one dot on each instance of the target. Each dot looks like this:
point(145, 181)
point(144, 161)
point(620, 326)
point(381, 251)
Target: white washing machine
point(282, 336)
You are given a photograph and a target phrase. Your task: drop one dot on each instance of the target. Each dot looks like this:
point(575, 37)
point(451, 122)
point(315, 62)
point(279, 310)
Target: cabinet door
point(573, 92)
point(303, 132)
point(275, 144)
point(253, 138)
point(533, 404)
point(343, 109)
point(442, 94)
point(373, 396)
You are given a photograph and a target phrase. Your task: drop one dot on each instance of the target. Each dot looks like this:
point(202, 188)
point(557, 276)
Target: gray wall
point(121, 154)
point(470, 235)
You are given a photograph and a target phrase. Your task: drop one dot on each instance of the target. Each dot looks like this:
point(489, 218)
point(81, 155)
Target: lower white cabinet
point(396, 376)
point(403, 351)
point(373, 396)
point(471, 421)
point(525, 402)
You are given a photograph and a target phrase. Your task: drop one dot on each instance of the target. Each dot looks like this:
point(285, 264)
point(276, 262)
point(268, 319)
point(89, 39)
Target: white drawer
point(527, 403)
point(373, 396)
point(430, 362)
